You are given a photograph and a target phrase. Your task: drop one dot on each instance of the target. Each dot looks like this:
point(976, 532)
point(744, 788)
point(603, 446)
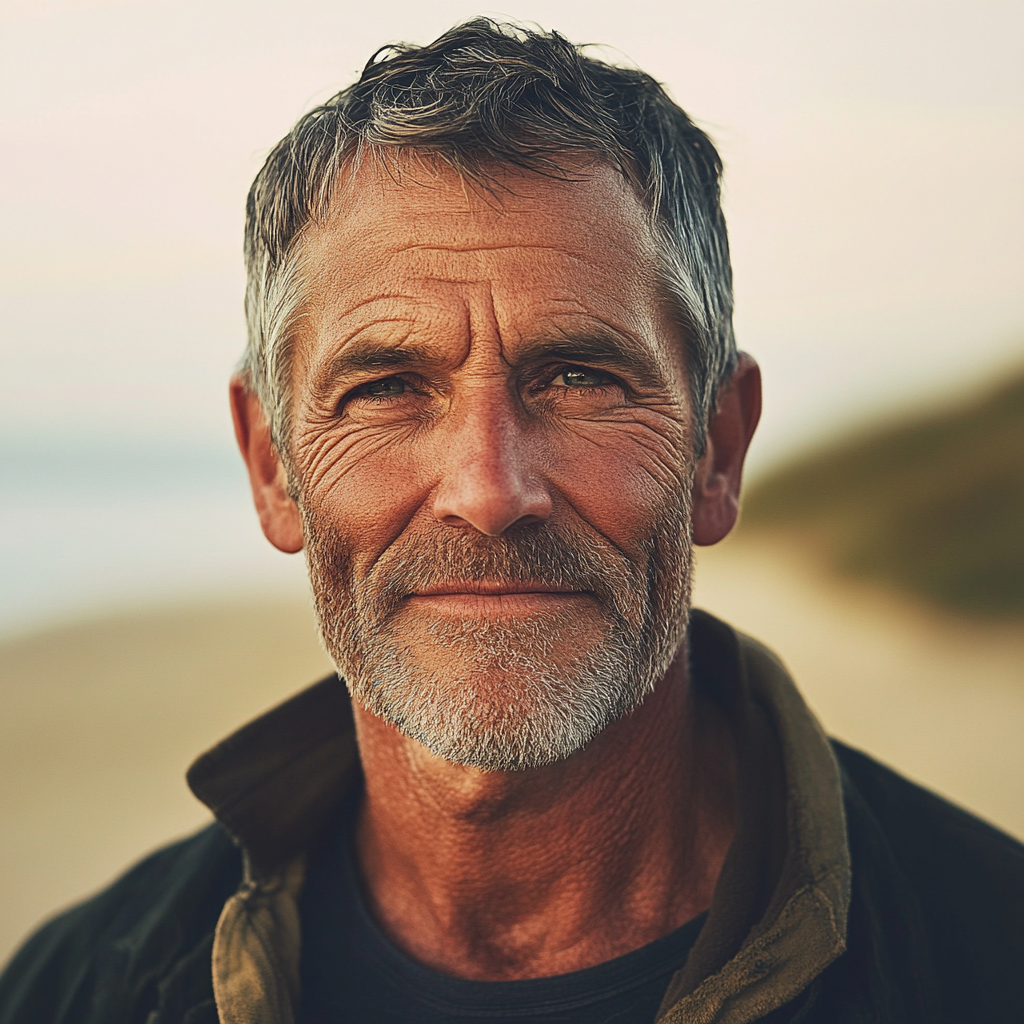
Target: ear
point(279, 516)
point(716, 491)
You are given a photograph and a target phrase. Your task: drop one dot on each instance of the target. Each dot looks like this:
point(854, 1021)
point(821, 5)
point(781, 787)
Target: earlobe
point(715, 509)
point(278, 513)
point(719, 474)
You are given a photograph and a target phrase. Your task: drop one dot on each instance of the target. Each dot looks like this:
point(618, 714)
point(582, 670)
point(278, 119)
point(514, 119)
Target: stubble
point(505, 693)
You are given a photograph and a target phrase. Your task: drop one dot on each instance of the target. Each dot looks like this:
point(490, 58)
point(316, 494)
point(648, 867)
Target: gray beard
point(504, 694)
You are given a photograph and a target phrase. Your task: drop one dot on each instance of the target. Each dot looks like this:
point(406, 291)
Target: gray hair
point(486, 94)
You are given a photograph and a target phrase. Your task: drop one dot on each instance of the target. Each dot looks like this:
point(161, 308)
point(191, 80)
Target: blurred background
point(875, 158)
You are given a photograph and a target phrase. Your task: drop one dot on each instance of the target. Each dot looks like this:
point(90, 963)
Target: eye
point(381, 390)
point(581, 377)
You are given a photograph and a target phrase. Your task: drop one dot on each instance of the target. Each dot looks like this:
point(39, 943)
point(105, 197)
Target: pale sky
point(874, 152)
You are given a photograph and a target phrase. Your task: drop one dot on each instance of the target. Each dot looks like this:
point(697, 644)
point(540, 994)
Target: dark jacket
point(935, 929)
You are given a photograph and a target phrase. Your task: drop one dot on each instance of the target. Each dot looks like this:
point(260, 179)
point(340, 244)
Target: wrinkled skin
point(470, 370)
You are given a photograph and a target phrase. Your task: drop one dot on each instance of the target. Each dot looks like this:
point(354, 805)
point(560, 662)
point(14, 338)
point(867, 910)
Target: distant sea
point(89, 525)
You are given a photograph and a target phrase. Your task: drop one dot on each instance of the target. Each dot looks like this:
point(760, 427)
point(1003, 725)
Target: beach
point(102, 716)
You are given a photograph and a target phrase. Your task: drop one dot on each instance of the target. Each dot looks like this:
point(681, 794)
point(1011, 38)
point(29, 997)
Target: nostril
point(488, 508)
point(529, 520)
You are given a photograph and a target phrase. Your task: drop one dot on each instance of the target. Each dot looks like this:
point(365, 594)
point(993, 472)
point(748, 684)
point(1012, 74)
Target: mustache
point(533, 553)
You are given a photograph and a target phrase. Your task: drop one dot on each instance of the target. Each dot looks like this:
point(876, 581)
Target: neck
point(507, 875)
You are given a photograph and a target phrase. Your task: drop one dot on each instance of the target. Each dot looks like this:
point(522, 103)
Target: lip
point(487, 599)
point(491, 588)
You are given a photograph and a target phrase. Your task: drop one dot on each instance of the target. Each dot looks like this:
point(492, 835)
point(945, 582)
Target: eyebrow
point(604, 346)
point(360, 358)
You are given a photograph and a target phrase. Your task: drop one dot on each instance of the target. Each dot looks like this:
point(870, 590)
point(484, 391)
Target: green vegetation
point(934, 506)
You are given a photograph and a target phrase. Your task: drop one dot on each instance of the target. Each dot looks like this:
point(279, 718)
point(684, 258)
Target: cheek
point(621, 479)
point(367, 487)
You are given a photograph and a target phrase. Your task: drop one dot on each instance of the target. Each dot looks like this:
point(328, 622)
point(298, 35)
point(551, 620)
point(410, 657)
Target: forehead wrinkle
point(389, 296)
point(410, 311)
point(471, 247)
point(580, 261)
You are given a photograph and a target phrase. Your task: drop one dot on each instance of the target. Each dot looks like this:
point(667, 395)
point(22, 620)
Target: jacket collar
point(779, 913)
point(778, 917)
point(274, 783)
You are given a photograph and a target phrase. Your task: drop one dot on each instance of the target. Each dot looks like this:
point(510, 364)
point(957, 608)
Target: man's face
point(492, 441)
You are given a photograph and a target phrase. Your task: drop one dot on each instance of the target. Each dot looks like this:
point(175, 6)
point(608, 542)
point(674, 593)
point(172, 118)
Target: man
point(491, 391)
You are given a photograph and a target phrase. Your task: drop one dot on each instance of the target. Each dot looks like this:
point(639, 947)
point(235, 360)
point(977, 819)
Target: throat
point(498, 876)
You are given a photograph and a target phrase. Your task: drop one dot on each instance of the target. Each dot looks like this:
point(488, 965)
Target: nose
point(491, 479)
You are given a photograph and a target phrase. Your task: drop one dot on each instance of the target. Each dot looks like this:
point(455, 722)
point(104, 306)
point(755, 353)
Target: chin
point(501, 697)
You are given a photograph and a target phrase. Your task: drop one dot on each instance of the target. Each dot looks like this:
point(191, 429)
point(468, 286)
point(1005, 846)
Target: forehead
point(418, 243)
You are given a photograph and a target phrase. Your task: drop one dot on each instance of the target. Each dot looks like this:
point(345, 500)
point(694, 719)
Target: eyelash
point(546, 381)
point(360, 392)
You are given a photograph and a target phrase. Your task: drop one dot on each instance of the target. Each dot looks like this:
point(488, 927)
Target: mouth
point(476, 598)
point(491, 588)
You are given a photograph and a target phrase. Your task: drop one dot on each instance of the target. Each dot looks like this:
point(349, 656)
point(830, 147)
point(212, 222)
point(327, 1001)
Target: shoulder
point(94, 961)
point(930, 834)
point(959, 877)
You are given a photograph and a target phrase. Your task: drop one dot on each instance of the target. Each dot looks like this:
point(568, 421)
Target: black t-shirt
point(353, 974)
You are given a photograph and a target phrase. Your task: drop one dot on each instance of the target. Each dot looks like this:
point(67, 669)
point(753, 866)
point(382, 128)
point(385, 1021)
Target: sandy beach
point(101, 717)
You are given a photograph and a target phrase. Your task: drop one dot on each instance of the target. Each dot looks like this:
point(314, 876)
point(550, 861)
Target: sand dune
point(101, 718)
point(100, 721)
point(938, 697)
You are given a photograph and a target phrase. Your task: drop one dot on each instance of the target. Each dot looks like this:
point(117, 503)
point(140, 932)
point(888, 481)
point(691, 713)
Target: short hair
point(483, 94)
